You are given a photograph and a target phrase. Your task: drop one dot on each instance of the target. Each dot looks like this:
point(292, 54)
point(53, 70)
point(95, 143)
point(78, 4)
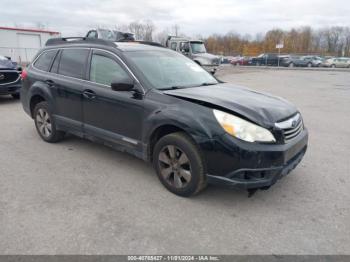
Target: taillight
point(24, 74)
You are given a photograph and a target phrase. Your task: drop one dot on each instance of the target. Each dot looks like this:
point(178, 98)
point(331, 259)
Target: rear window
point(44, 61)
point(73, 62)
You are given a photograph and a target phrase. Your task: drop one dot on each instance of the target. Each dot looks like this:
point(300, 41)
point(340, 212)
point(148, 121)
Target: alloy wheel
point(43, 122)
point(175, 167)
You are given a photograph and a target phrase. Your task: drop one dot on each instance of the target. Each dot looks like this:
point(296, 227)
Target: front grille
point(8, 77)
point(291, 127)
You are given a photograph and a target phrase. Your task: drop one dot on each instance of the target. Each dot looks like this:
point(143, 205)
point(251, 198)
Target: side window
point(45, 60)
point(105, 70)
point(185, 46)
point(92, 34)
point(173, 45)
point(73, 62)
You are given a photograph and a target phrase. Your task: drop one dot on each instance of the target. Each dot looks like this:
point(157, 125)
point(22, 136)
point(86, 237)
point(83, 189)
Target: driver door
point(115, 116)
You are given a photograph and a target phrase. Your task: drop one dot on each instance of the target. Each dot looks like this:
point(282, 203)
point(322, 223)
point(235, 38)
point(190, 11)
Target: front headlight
point(243, 129)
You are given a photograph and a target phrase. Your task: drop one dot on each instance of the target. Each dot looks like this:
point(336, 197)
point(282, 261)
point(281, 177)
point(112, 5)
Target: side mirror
point(126, 84)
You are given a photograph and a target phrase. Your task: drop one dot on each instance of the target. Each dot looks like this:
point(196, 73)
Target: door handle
point(49, 82)
point(89, 94)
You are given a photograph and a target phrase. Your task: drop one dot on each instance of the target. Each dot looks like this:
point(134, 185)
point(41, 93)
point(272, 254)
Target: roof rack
point(78, 40)
point(141, 42)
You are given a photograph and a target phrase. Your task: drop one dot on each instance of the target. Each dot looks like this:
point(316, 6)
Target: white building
point(22, 44)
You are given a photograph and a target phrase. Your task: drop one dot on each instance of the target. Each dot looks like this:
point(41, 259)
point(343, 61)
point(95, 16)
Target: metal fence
point(20, 55)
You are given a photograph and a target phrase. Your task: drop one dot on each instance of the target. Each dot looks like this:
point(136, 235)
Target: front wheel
point(309, 65)
point(179, 165)
point(45, 123)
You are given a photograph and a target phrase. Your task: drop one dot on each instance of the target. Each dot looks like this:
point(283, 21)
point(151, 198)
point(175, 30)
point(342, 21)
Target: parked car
point(164, 108)
point(239, 61)
point(341, 62)
point(266, 59)
point(10, 80)
point(194, 49)
point(302, 61)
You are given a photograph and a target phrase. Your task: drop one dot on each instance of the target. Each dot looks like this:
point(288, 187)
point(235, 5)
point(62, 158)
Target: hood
point(260, 108)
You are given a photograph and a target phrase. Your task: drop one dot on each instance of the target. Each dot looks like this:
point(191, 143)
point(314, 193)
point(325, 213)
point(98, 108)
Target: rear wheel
point(15, 96)
point(179, 164)
point(309, 65)
point(291, 65)
point(45, 123)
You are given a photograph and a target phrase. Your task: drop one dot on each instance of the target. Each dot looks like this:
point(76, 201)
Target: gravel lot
point(77, 197)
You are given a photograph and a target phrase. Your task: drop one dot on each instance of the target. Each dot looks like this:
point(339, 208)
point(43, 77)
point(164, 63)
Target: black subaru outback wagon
point(162, 107)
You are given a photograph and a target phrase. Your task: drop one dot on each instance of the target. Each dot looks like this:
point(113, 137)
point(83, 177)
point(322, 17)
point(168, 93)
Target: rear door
point(115, 116)
point(68, 81)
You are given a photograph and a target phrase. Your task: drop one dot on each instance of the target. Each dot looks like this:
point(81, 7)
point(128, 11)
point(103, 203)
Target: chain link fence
point(22, 56)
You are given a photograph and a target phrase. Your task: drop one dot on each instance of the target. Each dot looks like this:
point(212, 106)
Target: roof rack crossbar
point(78, 40)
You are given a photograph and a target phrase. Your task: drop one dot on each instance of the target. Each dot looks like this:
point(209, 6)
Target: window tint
point(73, 62)
point(105, 70)
point(173, 45)
point(44, 61)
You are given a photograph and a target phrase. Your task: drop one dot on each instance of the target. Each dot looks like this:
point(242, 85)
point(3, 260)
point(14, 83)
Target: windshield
point(167, 70)
point(198, 47)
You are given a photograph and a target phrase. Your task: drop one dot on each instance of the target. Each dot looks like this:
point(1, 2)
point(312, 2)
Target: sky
point(194, 17)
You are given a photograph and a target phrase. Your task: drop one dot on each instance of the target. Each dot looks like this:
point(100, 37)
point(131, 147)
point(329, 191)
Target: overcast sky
point(195, 17)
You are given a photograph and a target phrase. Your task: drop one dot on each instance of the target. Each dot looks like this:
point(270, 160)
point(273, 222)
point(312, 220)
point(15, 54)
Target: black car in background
point(10, 80)
point(164, 108)
point(266, 59)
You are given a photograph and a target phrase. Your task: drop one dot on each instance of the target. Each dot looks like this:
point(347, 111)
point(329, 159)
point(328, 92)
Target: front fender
point(196, 120)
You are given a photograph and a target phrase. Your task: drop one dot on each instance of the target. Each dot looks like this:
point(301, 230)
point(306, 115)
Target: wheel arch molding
point(40, 92)
point(159, 127)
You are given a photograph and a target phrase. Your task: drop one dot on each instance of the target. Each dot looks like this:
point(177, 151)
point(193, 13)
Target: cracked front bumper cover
point(257, 178)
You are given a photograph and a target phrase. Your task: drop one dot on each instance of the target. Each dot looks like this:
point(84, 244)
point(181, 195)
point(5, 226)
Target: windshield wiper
point(172, 87)
point(208, 84)
point(182, 87)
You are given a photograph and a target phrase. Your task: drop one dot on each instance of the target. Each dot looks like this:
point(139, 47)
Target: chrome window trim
point(83, 80)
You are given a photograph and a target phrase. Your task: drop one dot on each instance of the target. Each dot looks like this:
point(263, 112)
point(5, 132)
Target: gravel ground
point(77, 197)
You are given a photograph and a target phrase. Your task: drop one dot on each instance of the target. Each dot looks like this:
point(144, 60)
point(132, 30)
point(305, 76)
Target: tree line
point(333, 41)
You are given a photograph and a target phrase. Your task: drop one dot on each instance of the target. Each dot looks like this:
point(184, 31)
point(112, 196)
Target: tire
point(309, 65)
point(332, 66)
point(179, 164)
point(15, 96)
point(291, 65)
point(257, 63)
point(45, 124)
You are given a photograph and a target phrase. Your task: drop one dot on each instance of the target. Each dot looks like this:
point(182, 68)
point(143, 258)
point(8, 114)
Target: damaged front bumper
point(250, 166)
